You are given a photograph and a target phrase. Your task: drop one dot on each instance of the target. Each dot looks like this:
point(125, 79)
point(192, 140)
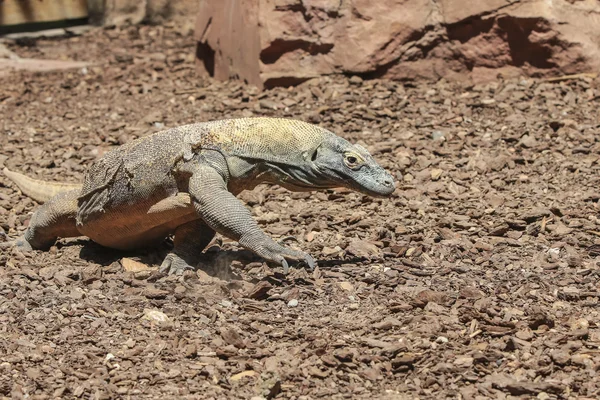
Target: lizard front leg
point(224, 213)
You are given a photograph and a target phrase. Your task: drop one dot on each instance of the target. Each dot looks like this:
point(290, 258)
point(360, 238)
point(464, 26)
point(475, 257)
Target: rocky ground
point(477, 279)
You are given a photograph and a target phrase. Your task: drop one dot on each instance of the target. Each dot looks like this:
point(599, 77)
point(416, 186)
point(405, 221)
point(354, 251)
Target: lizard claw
point(285, 265)
point(308, 259)
point(287, 239)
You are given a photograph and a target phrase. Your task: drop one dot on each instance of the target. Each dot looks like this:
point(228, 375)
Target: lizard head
point(303, 157)
point(335, 162)
point(341, 163)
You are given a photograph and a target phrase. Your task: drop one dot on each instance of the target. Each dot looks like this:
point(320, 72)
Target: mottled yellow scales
point(275, 139)
point(182, 182)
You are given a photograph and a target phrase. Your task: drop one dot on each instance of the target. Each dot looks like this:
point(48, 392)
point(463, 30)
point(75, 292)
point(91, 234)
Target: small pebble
point(226, 303)
point(293, 303)
point(438, 135)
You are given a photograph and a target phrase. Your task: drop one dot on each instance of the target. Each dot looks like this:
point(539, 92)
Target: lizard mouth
point(298, 186)
point(302, 180)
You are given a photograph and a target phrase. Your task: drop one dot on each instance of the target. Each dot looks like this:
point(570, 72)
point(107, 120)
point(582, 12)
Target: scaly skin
point(183, 181)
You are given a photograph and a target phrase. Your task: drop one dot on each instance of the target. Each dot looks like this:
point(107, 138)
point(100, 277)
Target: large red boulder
point(283, 42)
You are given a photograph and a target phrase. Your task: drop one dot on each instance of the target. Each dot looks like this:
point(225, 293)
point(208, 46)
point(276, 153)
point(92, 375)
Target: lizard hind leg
point(54, 219)
point(188, 242)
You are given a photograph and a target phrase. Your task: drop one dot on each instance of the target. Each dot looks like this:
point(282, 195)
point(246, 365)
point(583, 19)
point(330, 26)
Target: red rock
point(283, 43)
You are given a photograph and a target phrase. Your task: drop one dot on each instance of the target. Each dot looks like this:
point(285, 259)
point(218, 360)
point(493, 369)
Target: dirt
point(477, 279)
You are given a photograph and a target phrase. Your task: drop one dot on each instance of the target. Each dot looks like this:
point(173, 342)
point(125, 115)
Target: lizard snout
point(388, 182)
point(385, 184)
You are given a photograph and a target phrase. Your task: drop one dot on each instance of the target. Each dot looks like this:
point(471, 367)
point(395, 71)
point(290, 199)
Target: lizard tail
point(40, 191)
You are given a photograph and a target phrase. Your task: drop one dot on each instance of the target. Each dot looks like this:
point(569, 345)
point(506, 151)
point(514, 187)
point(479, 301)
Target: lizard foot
point(265, 247)
point(174, 265)
point(19, 243)
point(301, 256)
point(281, 254)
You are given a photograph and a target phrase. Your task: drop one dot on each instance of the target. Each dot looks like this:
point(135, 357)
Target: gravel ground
point(477, 279)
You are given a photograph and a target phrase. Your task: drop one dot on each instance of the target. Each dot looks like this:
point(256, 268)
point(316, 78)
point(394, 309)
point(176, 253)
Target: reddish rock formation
point(284, 42)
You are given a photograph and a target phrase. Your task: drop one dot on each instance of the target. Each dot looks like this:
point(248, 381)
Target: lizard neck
point(245, 174)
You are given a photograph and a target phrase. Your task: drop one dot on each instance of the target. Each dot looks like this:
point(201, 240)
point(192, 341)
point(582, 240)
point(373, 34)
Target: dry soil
point(477, 279)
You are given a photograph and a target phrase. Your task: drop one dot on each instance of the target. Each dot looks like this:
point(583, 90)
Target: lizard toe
point(278, 259)
point(310, 261)
point(307, 259)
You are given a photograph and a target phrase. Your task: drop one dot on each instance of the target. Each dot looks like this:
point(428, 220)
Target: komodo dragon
point(183, 181)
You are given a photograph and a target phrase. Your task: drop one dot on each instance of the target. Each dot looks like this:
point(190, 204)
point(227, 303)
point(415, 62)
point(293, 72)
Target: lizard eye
point(352, 160)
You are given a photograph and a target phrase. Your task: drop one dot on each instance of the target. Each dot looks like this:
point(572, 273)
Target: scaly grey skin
point(183, 182)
